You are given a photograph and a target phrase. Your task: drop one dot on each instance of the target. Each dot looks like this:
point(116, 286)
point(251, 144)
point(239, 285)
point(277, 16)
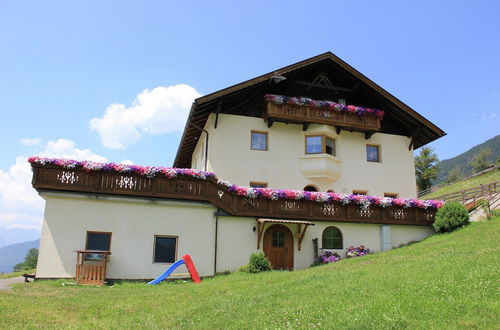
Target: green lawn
point(16, 274)
point(446, 281)
point(466, 184)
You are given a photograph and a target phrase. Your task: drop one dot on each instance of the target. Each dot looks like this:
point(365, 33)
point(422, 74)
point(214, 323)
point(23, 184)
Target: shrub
point(258, 263)
point(358, 251)
point(450, 216)
point(244, 269)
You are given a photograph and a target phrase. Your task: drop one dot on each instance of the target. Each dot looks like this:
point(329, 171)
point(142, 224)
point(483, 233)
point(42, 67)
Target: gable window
point(255, 184)
point(165, 249)
point(373, 153)
point(332, 238)
point(258, 141)
point(97, 241)
point(320, 144)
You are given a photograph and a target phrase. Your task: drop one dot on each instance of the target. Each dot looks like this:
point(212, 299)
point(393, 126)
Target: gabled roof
point(246, 97)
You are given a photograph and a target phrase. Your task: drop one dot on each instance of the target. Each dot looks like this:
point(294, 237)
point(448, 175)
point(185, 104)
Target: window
point(259, 141)
point(255, 184)
point(332, 238)
point(373, 153)
point(97, 241)
point(392, 195)
point(320, 144)
point(165, 249)
point(310, 188)
point(278, 239)
point(360, 192)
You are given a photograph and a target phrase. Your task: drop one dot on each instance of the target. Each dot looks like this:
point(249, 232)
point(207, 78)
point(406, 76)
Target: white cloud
point(157, 111)
point(20, 205)
point(30, 142)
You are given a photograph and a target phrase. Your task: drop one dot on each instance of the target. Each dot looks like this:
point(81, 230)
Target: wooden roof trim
point(385, 93)
point(260, 78)
point(339, 61)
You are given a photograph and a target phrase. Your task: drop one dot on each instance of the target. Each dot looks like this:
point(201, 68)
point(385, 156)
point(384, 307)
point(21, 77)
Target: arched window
point(310, 188)
point(332, 238)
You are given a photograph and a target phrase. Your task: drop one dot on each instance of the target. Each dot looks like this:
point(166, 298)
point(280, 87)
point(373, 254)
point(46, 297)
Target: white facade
point(134, 222)
point(285, 165)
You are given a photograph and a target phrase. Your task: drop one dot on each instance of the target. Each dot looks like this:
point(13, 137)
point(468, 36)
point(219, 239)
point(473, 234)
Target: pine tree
point(426, 168)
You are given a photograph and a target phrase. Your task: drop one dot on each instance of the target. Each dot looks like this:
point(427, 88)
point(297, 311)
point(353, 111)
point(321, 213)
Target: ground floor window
point(97, 241)
point(165, 249)
point(332, 238)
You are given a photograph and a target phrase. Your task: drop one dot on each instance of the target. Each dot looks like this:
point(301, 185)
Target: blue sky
point(63, 63)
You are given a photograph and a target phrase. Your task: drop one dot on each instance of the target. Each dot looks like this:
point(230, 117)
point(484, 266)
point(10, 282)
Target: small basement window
point(320, 144)
point(360, 192)
point(255, 184)
point(392, 195)
point(165, 249)
point(258, 141)
point(373, 153)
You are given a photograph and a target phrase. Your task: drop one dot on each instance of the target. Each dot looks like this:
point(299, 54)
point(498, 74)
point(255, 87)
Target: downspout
point(215, 248)
point(206, 143)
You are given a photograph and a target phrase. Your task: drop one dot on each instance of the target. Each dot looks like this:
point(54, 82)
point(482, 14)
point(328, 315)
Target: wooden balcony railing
point(187, 188)
point(305, 114)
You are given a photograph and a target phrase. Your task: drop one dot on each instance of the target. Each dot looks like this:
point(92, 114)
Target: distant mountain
point(462, 161)
point(17, 235)
point(11, 255)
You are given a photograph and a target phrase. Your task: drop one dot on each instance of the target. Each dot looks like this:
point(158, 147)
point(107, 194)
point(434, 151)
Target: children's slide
point(186, 260)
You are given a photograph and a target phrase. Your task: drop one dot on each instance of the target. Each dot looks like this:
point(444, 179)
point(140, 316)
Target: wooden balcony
point(311, 115)
point(54, 178)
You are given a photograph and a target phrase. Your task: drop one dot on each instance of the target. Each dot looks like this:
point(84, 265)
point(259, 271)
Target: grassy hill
point(462, 161)
point(465, 184)
point(446, 281)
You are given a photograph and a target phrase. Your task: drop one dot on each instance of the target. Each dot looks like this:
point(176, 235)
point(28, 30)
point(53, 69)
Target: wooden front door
point(278, 247)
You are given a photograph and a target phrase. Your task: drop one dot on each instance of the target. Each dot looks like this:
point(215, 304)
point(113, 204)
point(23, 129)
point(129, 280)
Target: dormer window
point(320, 144)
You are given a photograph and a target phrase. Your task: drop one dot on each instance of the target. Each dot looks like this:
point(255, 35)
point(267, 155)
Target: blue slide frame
point(167, 272)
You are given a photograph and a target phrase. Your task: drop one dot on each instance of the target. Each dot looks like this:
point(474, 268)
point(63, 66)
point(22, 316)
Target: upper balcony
point(307, 111)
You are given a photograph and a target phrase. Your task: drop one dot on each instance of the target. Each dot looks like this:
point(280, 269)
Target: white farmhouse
point(318, 157)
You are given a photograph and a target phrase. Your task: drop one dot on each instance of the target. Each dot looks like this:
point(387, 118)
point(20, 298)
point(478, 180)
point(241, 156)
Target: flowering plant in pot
point(356, 251)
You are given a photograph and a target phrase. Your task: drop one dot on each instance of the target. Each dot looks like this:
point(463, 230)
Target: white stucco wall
point(231, 158)
point(133, 223)
point(237, 240)
point(405, 234)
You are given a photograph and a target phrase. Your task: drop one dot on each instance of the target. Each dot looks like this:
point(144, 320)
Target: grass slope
point(466, 184)
point(446, 281)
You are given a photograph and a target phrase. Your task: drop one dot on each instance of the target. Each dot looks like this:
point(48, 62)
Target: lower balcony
point(234, 200)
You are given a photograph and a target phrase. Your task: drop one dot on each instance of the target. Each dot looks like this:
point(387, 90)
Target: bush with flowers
point(328, 257)
point(356, 251)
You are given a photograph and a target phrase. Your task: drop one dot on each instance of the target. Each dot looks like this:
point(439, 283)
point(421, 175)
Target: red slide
point(191, 268)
